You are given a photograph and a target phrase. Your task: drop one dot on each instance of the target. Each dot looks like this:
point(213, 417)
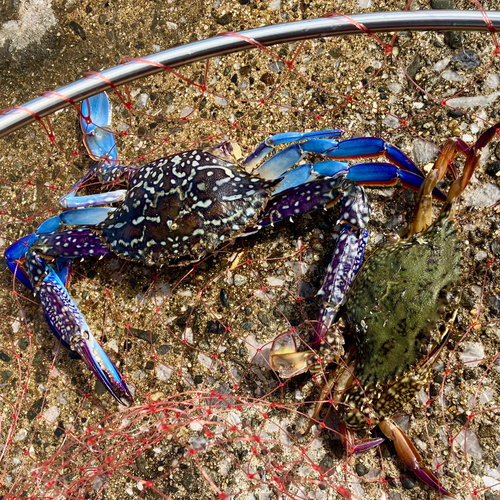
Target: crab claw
point(69, 325)
point(410, 456)
point(63, 316)
point(352, 445)
point(95, 119)
point(102, 367)
point(285, 359)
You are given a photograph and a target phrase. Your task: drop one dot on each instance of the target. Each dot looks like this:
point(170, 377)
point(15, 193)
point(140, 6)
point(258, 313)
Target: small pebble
point(468, 59)
point(408, 483)
point(224, 298)
point(452, 76)
point(51, 414)
point(423, 152)
point(361, 469)
point(220, 101)
point(493, 169)
point(471, 102)
point(240, 280)
point(264, 318)
point(142, 101)
point(472, 354)
point(483, 196)
point(454, 39)
point(469, 439)
point(492, 81)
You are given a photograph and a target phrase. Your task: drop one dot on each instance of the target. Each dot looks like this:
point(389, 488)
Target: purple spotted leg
point(351, 237)
point(27, 259)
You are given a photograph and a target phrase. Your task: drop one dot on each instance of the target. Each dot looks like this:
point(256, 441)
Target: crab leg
point(451, 149)
point(342, 270)
point(323, 143)
point(289, 156)
point(62, 314)
point(410, 456)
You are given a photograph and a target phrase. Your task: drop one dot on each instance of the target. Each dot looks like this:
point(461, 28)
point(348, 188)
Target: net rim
point(12, 119)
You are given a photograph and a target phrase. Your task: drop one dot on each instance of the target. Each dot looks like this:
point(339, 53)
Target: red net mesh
point(211, 419)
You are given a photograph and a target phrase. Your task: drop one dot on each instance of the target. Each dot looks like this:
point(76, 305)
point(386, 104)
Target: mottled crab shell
point(182, 207)
point(397, 311)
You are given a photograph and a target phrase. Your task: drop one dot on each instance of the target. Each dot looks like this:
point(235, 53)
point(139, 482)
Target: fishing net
point(210, 418)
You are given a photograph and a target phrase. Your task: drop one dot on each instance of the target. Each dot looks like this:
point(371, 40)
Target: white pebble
point(195, 426)
point(275, 281)
point(467, 440)
point(391, 121)
point(481, 255)
point(484, 196)
point(198, 443)
point(451, 76)
point(491, 483)
point(487, 396)
point(142, 101)
point(395, 87)
point(20, 435)
point(186, 111)
point(220, 101)
point(163, 372)
point(441, 65)
point(205, 360)
point(61, 398)
point(492, 82)
point(188, 336)
point(51, 414)
point(139, 374)
point(472, 354)
point(471, 102)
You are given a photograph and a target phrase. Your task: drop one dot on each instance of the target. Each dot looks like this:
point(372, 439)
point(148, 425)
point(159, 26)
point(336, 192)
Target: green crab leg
point(410, 456)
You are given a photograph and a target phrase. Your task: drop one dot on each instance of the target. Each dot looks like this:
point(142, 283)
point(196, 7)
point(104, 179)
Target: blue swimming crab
point(180, 208)
point(394, 310)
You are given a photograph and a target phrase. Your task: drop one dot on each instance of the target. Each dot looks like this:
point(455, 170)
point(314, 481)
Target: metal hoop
point(13, 119)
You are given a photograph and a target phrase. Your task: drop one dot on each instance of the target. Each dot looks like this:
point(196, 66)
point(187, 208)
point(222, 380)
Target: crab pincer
point(62, 315)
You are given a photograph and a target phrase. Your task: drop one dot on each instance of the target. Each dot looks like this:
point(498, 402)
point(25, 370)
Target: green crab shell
point(396, 311)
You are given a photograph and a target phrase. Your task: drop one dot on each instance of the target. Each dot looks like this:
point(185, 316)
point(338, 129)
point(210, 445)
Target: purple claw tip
point(363, 446)
point(428, 478)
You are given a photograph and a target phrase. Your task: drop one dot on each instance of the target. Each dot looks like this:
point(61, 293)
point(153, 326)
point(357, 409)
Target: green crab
point(394, 313)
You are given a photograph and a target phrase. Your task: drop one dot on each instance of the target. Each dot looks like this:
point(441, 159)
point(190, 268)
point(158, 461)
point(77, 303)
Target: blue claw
point(280, 162)
point(330, 167)
point(62, 314)
point(70, 327)
point(295, 177)
point(95, 120)
point(103, 368)
point(96, 112)
point(288, 137)
point(15, 255)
